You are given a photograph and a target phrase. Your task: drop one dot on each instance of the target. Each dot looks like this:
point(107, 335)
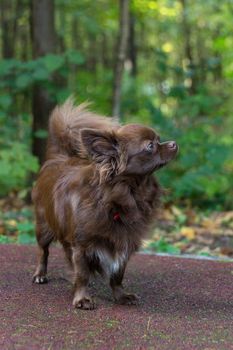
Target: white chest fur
point(110, 264)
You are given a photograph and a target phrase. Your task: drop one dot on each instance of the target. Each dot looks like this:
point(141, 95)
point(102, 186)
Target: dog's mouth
point(160, 165)
point(169, 151)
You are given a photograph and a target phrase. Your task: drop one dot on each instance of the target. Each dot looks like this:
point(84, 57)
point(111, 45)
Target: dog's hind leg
point(68, 253)
point(44, 238)
point(120, 296)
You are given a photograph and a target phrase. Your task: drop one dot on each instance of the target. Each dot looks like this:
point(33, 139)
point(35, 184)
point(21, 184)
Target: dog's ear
point(99, 143)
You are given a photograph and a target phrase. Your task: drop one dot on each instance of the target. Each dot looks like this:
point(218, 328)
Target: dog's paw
point(39, 279)
point(128, 299)
point(85, 303)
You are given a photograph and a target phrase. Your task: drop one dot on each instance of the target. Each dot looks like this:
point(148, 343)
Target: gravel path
point(185, 305)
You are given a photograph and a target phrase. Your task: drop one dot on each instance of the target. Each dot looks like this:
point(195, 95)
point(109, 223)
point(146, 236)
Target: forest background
point(163, 63)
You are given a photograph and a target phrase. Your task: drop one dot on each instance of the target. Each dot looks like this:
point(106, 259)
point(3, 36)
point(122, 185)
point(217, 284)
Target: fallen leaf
point(226, 251)
point(188, 232)
point(167, 215)
point(12, 223)
point(176, 211)
point(209, 223)
point(191, 216)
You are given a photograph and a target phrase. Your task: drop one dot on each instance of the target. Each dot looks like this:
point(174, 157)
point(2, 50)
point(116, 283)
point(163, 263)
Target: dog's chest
point(109, 263)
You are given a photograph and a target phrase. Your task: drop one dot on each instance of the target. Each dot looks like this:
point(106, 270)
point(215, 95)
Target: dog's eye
point(150, 147)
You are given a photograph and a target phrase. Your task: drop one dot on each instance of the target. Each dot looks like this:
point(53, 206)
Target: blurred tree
point(188, 54)
point(132, 48)
point(9, 12)
point(120, 55)
point(43, 42)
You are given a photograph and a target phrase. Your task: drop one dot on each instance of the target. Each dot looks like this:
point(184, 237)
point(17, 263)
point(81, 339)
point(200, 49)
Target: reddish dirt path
point(185, 304)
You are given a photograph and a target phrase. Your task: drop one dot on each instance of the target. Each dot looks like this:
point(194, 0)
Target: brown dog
point(96, 194)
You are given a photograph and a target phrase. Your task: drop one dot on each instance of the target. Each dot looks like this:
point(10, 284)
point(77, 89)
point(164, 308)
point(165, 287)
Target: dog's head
point(128, 150)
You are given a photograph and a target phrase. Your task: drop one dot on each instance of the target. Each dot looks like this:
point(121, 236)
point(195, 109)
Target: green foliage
point(161, 246)
point(17, 226)
point(16, 81)
point(18, 77)
point(26, 233)
point(16, 162)
point(183, 87)
point(6, 239)
point(202, 172)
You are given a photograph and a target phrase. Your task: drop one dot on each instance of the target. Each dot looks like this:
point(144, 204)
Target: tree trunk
point(132, 46)
point(188, 48)
point(92, 54)
point(74, 31)
point(43, 42)
point(9, 13)
point(121, 56)
point(105, 60)
point(62, 24)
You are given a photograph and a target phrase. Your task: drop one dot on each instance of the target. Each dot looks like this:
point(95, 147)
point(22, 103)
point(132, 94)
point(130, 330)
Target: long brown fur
point(96, 194)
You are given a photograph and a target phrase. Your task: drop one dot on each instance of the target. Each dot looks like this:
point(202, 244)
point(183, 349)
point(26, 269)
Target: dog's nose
point(172, 145)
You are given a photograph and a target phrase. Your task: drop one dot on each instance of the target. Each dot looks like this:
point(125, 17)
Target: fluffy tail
point(65, 124)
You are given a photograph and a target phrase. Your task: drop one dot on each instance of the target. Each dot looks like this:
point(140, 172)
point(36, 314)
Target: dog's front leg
point(82, 299)
point(121, 296)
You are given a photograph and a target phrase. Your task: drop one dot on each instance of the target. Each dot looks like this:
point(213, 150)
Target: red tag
point(116, 217)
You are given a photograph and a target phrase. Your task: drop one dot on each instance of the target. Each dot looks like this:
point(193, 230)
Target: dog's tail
point(65, 124)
